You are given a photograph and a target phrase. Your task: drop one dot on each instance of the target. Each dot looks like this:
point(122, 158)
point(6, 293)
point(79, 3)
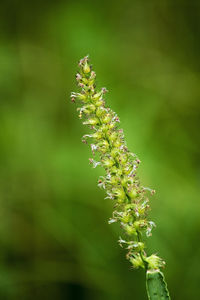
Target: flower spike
point(120, 181)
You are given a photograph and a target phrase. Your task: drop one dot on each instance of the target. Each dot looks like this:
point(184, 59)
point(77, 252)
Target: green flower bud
point(124, 181)
point(86, 68)
point(117, 143)
point(123, 159)
point(111, 125)
point(127, 181)
point(80, 96)
point(90, 82)
point(119, 193)
point(104, 128)
point(99, 102)
point(133, 193)
point(130, 230)
point(97, 135)
point(114, 152)
point(104, 146)
point(106, 119)
point(120, 201)
point(108, 163)
point(100, 111)
point(140, 224)
point(126, 170)
point(126, 218)
point(113, 136)
point(141, 209)
point(96, 96)
point(119, 172)
point(86, 111)
point(85, 80)
point(92, 121)
point(154, 262)
point(137, 262)
point(130, 206)
point(91, 107)
point(114, 170)
point(114, 180)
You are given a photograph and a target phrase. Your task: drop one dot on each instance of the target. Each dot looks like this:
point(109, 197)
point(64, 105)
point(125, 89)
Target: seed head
point(120, 181)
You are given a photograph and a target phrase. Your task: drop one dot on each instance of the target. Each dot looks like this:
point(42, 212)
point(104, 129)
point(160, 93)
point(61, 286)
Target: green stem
point(141, 251)
point(156, 285)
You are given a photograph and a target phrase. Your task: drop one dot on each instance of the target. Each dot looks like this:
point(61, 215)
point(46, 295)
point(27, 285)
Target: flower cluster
point(120, 181)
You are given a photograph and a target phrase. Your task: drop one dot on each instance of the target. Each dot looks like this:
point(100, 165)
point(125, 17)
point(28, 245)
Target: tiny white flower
point(112, 221)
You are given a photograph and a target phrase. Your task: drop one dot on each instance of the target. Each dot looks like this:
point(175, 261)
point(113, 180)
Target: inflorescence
point(120, 181)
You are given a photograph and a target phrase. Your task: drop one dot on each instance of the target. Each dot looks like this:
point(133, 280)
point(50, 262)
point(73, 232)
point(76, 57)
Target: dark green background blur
point(55, 242)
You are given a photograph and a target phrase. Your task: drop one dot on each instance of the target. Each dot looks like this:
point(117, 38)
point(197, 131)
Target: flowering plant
point(121, 183)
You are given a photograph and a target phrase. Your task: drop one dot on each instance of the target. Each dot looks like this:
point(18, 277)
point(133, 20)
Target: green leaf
point(156, 286)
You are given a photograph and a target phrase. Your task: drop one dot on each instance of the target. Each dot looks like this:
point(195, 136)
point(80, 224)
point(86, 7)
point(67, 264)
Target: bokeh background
point(55, 242)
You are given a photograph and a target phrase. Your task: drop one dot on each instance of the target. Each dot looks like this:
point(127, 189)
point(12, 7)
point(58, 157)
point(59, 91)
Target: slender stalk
point(121, 183)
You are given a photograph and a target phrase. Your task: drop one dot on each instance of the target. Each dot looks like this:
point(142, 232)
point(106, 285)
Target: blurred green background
point(55, 242)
